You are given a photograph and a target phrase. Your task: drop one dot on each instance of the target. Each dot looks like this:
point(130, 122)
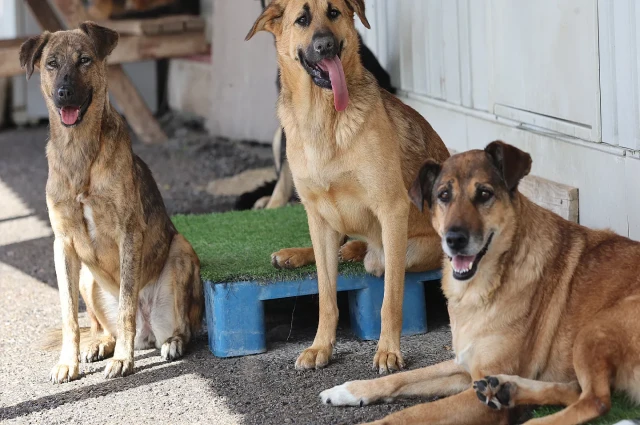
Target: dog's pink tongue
point(463, 262)
point(69, 114)
point(338, 83)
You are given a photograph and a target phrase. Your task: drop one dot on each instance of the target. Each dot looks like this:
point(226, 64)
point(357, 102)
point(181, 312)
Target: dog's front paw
point(261, 203)
point(495, 393)
point(341, 395)
point(118, 367)
point(172, 349)
point(388, 360)
point(98, 350)
point(64, 372)
point(314, 358)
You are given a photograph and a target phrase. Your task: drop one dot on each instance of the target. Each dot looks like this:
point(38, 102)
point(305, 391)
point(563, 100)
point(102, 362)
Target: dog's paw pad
point(172, 349)
point(495, 394)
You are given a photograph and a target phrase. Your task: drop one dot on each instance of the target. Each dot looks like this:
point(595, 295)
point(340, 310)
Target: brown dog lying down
point(114, 242)
point(354, 150)
point(543, 311)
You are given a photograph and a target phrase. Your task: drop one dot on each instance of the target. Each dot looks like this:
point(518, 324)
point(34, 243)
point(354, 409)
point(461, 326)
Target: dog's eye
point(333, 14)
point(52, 64)
point(444, 196)
point(484, 195)
point(85, 60)
point(303, 21)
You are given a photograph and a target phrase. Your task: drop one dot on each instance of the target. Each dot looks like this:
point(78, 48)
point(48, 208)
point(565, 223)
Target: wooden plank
point(164, 25)
point(129, 49)
point(145, 126)
point(557, 197)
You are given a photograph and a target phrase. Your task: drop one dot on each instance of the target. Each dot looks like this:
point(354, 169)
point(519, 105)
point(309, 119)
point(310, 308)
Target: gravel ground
point(200, 388)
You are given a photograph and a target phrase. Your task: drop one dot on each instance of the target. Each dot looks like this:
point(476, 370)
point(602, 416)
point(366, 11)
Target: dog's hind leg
point(603, 353)
point(506, 391)
point(179, 298)
point(102, 341)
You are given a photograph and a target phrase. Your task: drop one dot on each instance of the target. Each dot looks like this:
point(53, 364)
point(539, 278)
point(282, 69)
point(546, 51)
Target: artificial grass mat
point(621, 408)
point(237, 246)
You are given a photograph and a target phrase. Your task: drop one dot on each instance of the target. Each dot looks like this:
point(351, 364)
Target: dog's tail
point(52, 341)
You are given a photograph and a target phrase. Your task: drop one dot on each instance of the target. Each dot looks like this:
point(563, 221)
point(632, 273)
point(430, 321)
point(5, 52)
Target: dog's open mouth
point(328, 74)
point(465, 266)
point(72, 115)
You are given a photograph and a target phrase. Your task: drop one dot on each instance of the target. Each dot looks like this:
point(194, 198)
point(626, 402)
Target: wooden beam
point(129, 49)
point(165, 25)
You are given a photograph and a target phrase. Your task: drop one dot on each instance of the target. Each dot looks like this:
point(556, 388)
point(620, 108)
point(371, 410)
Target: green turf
point(237, 246)
point(621, 408)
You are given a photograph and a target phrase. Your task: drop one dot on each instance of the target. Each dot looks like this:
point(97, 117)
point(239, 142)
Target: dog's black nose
point(457, 238)
point(325, 45)
point(65, 93)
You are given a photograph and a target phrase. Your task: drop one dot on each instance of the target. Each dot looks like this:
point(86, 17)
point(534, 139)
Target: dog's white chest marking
point(463, 357)
point(87, 212)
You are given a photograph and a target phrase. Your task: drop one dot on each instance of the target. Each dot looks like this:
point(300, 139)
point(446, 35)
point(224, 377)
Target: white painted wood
point(464, 50)
point(619, 23)
point(420, 41)
point(481, 54)
point(243, 75)
point(403, 22)
point(392, 64)
point(546, 59)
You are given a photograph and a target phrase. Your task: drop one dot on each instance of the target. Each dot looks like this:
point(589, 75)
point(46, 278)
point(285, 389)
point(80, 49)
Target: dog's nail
point(361, 403)
point(328, 401)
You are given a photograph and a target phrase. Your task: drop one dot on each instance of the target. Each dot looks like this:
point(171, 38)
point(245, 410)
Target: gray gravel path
point(200, 388)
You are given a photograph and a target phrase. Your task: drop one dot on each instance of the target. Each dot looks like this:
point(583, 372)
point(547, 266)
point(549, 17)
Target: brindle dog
point(114, 241)
point(543, 310)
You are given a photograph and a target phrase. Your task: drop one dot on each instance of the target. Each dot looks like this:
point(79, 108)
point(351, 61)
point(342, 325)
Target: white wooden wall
point(557, 78)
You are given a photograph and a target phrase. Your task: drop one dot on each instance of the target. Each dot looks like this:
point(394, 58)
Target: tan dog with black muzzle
point(354, 150)
point(114, 241)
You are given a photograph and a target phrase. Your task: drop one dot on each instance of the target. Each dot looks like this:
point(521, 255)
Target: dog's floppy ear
point(512, 163)
point(270, 20)
point(422, 187)
point(103, 39)
point(31, 52)
point(357, 6)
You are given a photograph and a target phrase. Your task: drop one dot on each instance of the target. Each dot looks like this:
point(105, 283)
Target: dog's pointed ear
point(31, 52)
point(512, 163)
point(422, 186)
point(103, 39)
point(270, 20)
point(357, 6)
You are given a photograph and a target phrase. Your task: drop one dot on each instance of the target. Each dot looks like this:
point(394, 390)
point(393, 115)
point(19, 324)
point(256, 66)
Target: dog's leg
point(353, 251)
point(130, 265)
point(326, 242)
point(67, 266)
point(283, 190)
point(442, 379)
point(462, 408)
point(102, 341)
point(506, 391)
point(393, 223)
point(182, 270)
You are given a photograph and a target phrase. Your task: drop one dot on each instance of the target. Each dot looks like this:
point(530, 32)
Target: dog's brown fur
point(114, 242)
point(351, 170)
point(550, 317)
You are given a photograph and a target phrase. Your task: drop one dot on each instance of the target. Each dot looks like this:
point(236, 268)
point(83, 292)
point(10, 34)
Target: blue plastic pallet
point(235, 311)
